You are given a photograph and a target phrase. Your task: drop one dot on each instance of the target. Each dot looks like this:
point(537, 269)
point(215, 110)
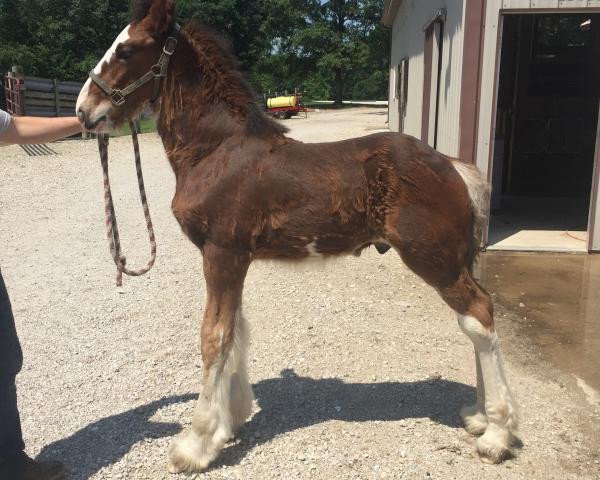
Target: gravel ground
point(358, 368)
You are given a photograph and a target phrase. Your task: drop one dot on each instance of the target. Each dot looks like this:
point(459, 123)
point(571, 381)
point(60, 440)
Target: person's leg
point(11, 360)
point(14, 463)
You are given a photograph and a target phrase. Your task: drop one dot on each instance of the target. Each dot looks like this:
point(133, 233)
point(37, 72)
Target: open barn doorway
point(546, 129)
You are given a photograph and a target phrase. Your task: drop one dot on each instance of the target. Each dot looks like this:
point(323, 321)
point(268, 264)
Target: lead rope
point(112, 230)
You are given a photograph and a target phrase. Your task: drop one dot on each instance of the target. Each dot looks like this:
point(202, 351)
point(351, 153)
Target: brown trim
point(595, 192)
point(427, 65)
point(391, 95)
point(471, 78)
point(438, 76)
point(390, 9)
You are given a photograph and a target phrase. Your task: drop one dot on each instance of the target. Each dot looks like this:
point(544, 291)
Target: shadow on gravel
point(291, 402)
point(287, 403)
point(106, 441)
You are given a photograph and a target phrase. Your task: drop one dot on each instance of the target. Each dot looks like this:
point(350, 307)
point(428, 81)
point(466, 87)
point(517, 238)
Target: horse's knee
point(482, 336)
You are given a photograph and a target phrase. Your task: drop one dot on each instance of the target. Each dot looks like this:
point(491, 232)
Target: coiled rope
point(112, 229)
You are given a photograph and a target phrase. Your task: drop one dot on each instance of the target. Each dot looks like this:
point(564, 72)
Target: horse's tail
point(479, 192)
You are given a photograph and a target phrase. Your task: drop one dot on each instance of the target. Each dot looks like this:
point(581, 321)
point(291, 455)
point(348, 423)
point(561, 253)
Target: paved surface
point(358, 368)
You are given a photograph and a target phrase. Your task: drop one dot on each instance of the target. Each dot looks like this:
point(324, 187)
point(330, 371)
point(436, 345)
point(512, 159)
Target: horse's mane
point(223, 80)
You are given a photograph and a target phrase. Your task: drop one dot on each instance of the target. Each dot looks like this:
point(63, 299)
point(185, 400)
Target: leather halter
point(158, 71)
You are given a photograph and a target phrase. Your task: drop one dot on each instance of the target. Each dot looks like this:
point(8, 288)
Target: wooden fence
point(40, 97)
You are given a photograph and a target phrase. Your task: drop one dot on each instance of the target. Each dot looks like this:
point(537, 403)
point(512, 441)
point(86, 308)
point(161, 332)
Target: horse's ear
point(161, 16)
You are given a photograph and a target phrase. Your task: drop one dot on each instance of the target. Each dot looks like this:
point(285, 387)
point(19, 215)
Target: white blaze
point(123, 37)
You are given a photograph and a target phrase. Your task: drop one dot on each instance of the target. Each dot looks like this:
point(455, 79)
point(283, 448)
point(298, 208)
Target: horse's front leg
point(225, 401)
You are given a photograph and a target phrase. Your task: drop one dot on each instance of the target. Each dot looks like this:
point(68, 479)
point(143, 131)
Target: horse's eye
point(123, 53)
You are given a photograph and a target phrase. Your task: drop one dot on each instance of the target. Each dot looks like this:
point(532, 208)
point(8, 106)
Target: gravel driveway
point(358, 368)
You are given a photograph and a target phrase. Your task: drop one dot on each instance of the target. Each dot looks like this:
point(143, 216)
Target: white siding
point(408, 40)
point(488, 80)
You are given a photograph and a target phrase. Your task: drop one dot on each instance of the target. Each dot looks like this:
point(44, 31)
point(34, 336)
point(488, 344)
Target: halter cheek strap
point(158, 71)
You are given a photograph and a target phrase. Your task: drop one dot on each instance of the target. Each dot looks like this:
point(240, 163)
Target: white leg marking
point(474, 416)
point(312, 249)
point(241, 391)
point(223, 406)
point(500, 408)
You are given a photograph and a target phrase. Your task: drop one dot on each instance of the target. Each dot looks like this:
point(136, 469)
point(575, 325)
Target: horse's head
point(129, 75)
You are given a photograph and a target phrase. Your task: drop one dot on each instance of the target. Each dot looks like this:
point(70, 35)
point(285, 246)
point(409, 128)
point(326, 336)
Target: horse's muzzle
point(87, 121)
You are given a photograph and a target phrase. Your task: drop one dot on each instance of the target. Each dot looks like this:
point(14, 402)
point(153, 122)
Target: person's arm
point(25, 130)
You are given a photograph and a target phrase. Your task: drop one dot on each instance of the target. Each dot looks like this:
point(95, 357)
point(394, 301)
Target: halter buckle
point(170, 46)
point(117, 98)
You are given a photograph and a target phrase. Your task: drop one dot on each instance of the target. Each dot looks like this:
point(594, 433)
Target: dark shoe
point(21, 467)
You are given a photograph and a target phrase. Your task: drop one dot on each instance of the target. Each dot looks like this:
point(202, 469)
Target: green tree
point(241, 21)
point(339, 36)
point(58, 38)
point(328, 48)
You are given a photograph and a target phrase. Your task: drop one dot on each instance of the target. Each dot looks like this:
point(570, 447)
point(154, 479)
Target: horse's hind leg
point(475, 316)
point(225, 401)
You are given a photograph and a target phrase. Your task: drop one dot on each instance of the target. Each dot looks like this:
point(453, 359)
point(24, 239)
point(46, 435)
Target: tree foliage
point(58, 38)
point(331, 49)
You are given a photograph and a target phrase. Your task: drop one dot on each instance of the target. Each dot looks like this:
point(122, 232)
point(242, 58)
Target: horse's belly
point(284, 245)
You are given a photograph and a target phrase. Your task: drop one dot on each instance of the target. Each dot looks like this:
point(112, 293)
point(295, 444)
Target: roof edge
point(390, 9)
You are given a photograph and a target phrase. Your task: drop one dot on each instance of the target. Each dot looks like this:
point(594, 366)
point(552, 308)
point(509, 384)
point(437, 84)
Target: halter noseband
point(158, 71)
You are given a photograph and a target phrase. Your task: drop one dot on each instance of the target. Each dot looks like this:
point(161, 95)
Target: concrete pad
point(539, 241)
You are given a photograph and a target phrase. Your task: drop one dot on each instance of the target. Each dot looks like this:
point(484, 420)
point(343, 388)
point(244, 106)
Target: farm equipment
point(285, 107)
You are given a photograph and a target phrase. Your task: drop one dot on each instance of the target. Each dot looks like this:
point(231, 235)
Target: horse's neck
point(190, 136)
point(192, 129)
point(193, 123)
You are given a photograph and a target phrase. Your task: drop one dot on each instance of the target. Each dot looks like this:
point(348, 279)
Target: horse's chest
point(192, 216)
point(209, 212)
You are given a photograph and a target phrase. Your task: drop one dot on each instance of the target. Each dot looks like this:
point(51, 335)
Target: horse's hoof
point(475, 422)
point(494, 445)
point(185, 456)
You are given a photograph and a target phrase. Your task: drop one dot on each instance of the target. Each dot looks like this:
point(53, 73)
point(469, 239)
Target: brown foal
point(245, 191)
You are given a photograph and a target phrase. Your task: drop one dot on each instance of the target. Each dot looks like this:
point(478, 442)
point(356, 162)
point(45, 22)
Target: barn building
point(512, 86)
